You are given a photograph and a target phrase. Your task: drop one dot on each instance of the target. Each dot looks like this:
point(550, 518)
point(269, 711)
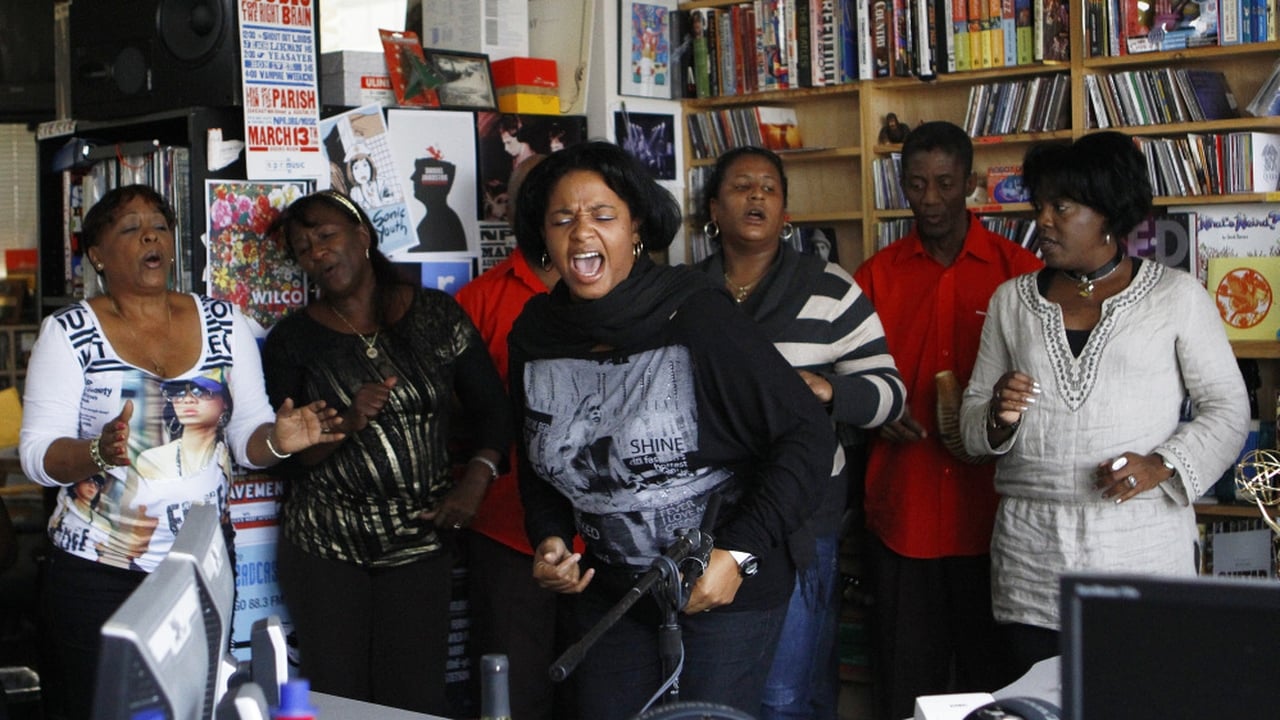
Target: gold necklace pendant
point(156, 367)
point(370, 345)
point(740, 292)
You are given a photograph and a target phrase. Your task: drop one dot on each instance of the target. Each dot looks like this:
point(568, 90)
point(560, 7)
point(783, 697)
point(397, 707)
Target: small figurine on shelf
point(893, 131)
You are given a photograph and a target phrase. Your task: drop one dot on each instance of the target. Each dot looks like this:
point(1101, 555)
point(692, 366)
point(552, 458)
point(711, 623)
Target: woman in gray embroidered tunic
point(1078, 388)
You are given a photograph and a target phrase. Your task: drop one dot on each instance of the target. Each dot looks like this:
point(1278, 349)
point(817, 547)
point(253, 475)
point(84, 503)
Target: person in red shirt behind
point(930, 513)
point(510, 613)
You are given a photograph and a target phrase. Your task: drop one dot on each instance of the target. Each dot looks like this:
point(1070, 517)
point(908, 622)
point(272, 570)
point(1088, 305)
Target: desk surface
point(332, 707)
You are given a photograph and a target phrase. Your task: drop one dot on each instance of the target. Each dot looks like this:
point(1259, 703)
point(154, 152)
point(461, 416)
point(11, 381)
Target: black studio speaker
point(134, 57)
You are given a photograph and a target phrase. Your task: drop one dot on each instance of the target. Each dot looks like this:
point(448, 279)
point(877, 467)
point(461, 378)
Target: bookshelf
point(837, 184)
point(184, 128)
point(838, 181)
point(15, 348)
point(824, 178)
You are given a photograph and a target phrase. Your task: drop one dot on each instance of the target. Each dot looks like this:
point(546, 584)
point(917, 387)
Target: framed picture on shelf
point(467, 85)
point(649, 138)
point(644, 48)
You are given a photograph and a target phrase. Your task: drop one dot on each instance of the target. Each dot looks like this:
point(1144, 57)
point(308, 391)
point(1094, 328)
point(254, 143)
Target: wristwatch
point(748, 564)
point(1165, 461)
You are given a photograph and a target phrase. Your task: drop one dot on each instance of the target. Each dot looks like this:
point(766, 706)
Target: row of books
point(887, 175)
point(1019, 106)
point(99, 169)
point(926, 37)
point(1213, 163)
point(761, 45)
point(1123, 27)
point(714, 131)
point(1158, 96)
point(1019, 230)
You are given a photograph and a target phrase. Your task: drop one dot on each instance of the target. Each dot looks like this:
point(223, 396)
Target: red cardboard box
point(529, 74)
point(526, 85)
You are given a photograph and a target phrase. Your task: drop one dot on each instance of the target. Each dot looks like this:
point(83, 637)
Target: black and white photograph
point(468, 83)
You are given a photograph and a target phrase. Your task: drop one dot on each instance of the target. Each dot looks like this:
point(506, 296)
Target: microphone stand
point(692, 549)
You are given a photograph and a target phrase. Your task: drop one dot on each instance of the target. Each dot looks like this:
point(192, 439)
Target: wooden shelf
point(1256, 349)
point(1239, 510)
point(1189, 55)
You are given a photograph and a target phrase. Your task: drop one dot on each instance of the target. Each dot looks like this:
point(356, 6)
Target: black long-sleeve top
point(361, 503)
point(625, 445)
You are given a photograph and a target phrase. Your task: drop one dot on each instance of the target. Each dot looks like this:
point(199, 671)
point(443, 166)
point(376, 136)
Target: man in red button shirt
point(510, 613)
point(930, 513)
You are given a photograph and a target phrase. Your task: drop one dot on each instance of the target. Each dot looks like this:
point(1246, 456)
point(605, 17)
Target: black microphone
point(703, 543)
point(692, 542)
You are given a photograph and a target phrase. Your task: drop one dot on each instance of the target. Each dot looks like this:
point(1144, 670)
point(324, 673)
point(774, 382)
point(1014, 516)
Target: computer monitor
point(154, 660)
point(201, 543)
point(1147, 648)
point(137, 665)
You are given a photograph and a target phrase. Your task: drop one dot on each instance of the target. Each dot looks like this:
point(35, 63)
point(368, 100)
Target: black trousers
point(380, 635)
point(511, 615)
point(932, 629)
point(78, 596)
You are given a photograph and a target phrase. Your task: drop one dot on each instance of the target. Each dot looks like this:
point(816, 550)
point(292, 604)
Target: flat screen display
point(1145, 648)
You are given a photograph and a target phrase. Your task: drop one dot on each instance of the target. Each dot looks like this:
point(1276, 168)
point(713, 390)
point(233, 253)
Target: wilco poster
point(244, 266)
point(362, 166)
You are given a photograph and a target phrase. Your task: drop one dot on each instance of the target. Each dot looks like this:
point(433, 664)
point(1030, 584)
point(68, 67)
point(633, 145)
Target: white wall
point(603, 100)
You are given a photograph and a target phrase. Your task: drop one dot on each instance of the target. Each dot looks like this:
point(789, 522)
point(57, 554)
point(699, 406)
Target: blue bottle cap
point(295, 700)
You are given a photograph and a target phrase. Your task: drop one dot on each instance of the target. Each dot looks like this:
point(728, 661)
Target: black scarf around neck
point(631, 314)
point(783, 290)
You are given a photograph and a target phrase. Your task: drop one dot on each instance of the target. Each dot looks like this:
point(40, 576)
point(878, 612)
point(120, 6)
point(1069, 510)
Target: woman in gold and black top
point(364, 556)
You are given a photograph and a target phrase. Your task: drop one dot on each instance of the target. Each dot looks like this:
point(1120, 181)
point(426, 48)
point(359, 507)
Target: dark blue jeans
point(726, 658)
point(803, 682)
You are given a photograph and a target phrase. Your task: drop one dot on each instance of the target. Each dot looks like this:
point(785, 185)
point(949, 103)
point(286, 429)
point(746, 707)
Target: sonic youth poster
point(362, 166)
point(617, 437)
point(245, 266)
point(436, 150)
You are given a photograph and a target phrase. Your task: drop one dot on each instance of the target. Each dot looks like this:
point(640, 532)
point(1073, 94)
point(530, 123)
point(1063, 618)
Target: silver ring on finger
point(1131, 481)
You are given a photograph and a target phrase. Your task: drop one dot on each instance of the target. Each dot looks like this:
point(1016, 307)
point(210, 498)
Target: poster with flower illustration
point(246, 267)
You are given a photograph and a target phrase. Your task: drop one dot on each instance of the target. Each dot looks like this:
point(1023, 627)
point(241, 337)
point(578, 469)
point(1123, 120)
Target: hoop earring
point(711, 229)
point(366, 253)
point(102, 289)
point(637, 250)
point(788, 230)
point(545, 261)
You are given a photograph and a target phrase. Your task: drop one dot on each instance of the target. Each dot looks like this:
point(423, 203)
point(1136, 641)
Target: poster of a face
point(362, 166)
point(438, 171)
point(506, 140)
